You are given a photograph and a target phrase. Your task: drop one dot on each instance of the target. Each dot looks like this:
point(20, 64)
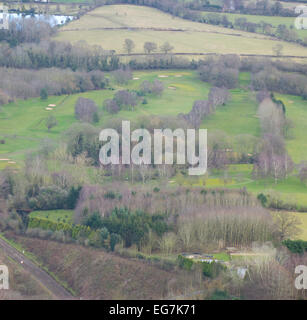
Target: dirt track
point(59, 292)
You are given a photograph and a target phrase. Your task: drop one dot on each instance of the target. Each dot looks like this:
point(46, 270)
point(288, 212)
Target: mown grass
point(65, 216)
point(237, 117)
point(302, 216)
point(194, 37)
point(22, 124)
point(296, 110)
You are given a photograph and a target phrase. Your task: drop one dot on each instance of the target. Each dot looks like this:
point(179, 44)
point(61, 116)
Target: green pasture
point(275, 21)
point(65, 216)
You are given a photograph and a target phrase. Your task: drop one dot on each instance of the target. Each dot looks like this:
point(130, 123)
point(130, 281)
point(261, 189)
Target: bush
point(263, 199)
point(185, 263)
point(296, 246)
point(72, 231)
point(212, 269)
point(49, 198)
point(44, 94)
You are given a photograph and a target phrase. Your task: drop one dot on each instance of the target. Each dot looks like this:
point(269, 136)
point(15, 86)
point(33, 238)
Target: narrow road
point(59, 292)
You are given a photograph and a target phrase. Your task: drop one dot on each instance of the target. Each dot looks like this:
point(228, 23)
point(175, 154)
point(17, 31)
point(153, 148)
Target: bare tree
point(122, 76)
point(150, 47)
point(166, 47)
point(111, 106)
point(303, 173)
point(124, 98)
point(85, 109)
point(157, 87)
point(129, 46)
point(218, 96)
point(278, 49)
point(51, 122)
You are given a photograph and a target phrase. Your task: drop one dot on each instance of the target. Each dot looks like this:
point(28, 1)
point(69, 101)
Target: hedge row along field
point(73, 231)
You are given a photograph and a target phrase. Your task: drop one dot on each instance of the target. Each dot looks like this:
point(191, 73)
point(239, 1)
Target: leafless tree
point(122, 76)
point(129, 45)
point(166, 47)
point(85, 109)
point(150, 47)
point(51, 122)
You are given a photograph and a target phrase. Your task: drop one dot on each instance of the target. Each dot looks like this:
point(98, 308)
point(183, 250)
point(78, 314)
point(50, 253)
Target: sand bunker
point(162, 76)
point(172, 88)
point(136, 78)
point(12, 162)
point(178, 75)
point(48, 109)
point(52, 105)
point(4, 159)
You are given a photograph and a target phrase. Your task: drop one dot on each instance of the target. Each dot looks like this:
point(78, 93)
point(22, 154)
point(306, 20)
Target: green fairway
point(22, 124)
point(296, 110)
point(237, 117)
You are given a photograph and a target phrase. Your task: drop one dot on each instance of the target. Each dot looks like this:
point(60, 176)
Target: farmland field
point(109, 26)
point(273, 20)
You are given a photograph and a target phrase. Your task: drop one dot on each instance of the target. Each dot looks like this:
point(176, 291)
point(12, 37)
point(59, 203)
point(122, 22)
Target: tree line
point(23, 84)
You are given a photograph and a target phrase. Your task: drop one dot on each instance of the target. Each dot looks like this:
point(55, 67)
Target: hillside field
point(273, 20)
point(109, 26)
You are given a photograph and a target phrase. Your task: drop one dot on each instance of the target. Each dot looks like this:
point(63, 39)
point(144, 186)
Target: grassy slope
point(296, 110)
point(22, 124)
point(237, 117)
point(197, 37)
point(274, 21)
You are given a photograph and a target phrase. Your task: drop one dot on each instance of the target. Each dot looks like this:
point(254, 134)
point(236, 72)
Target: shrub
point(296, 246)
point(185, 263)
point(212, 269)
